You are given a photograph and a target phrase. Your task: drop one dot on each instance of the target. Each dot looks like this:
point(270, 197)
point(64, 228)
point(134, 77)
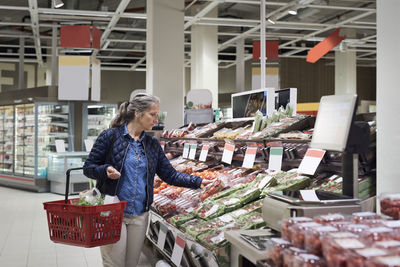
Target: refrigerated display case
point(27, 134)
point(6, 139)
point(96, 118)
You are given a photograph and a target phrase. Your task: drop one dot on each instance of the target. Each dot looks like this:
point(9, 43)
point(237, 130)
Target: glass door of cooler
point(6, 139)
point(24, 140)
point(96, 118)
point(53, 123)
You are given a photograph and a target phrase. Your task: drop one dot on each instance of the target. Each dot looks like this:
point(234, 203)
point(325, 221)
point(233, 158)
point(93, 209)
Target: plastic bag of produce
point(210, 210)
point(91, 197)
point(191, 227)
point(253, 206)
point(216, 186)
point(230, 203)
point(257, 121)
point(247, 194)
point(252, 220)
point(182, 218)
point(226, 192)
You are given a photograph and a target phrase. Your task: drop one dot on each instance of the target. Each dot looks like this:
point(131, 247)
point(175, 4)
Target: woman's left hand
point(204, 183)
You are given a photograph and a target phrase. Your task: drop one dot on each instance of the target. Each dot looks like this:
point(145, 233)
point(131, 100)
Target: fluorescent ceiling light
point(58, 3)
point(271, 21)
point(292, 12)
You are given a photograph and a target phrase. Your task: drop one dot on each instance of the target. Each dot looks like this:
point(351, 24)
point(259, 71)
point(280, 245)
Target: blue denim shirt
point(133, 177)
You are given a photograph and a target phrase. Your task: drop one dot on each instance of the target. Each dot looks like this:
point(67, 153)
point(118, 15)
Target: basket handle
point(68, 176)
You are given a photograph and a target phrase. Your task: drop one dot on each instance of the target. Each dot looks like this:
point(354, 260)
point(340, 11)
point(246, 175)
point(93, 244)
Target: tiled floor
point(24, 236)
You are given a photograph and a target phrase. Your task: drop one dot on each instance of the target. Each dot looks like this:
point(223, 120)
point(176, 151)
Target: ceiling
point(123, 26)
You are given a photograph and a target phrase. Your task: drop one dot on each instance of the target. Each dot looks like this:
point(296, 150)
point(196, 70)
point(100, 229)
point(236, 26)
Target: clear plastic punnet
point(384, 261)
point(357, 217)
point(314, 236)
point(275, 252)
point(289, 254)
point(360, 257)
point(390, 205)
point(329, 218)
point(287, 223)
point(298, 232)
point(308, 260)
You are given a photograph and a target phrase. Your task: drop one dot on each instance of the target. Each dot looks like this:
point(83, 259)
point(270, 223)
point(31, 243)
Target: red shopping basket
point(84, 226)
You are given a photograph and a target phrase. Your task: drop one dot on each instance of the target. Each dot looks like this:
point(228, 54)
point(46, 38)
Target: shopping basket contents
point(85, 226)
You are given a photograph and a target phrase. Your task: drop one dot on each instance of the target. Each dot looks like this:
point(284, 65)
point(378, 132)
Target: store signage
point(204, 152)
point(185, 151)
point(161, 236)
point(192, 153)
point(311, 161)
point(271, 50)
point(249, 157)
point(228, 153)
point(324, 46)
point(275, 158)
point(177, 252)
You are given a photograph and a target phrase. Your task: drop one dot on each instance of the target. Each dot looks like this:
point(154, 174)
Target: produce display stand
point(195, 254)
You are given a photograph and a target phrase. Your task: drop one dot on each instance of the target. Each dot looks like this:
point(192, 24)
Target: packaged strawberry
point(275, 253)
point(390, 245)
point(247, 194)
point(355, 228)
point(287, 223)
point(357, 217)
point(308, 260)
point(374, 222)
point(390, 205)
point(360, 257)
point(252, 220)
point(289, 253)
point(230, 203)
point(216, 186)
point(313, 237)
point(328, 240)
point(298, 231)
point(394, 225)
point(340, 225)
point(182, 218)
point(335, 250)
point(378, 234)
point(329, 218)
point(384, 261)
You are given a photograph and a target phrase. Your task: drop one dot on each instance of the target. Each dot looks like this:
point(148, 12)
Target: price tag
point(249, 157)
point(177, 252)
point(204, 153)
point(185, 151)
point(309, 195)
point(228, 153)
point(275, 158)
point(60, 145)
point(161, 236)
point(311, 161)
point(162, 143)
point(192, 153)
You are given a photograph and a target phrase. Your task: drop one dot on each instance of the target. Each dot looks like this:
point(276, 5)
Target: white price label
point(192, 153)
point(204, 152)
point(249, 157)
point(311, 161)
point(264, 182)
point(161, 236)
point(275, 158)
point(309, 195)
point(228, 153)
point(177, 252)
point(185, 151)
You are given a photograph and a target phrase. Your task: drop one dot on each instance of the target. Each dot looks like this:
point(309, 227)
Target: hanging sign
point(192, 153)
point(204, 152)
point(275, 158)
point(228, 153)
point(324, 46)
point(185, 153)
point(177, 252)
point(249, 157)
point(311, 161)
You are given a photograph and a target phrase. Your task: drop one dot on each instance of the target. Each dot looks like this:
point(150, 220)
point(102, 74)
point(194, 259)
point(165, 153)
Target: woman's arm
point(171, 176)
point(96, 167)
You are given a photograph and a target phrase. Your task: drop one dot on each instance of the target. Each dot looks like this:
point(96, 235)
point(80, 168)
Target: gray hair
point(126, 113)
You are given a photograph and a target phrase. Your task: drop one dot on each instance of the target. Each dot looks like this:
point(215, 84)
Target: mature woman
point(125, 160)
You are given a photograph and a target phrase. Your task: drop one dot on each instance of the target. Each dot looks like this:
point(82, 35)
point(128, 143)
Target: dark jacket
point(157, 163)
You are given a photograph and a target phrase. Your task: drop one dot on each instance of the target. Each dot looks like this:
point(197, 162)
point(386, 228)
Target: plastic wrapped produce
point(182, 218)
point(253, 206)
point(210, 210)
point(313, 238)
point(213, 239)
point(287, 223)
point(357, 217)
point(289, 253)
point(252, 220)
point(360, 257)
point(230, 203)
point(275, 253)
point(191, 227)
point(216, 186)
point(298, 231)
point(390, 205)
point(257, 121)
point(308, 260)
point(389, 245)
point(329, 218)
point(226, 192)
point(247, 194)
point(355, 228)
point(340, 225)
point(378, 234)
point(334, 250)
point(384, 261)
point(374, 222)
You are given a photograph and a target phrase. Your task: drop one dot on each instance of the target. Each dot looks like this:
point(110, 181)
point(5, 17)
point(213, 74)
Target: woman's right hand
point(112, 173)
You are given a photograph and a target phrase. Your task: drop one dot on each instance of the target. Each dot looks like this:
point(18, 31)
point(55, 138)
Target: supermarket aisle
point(24, 236)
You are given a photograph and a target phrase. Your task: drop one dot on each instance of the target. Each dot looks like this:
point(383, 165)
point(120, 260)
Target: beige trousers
point(126, 252)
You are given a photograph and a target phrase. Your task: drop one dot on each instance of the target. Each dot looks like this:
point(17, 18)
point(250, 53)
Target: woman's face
point(148, 118)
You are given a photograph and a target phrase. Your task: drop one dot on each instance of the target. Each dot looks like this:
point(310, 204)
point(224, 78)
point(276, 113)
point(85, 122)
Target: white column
point(387, 96)
point(240, 66)
point(345, 68)
point(204, 57)
point(164, 57)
